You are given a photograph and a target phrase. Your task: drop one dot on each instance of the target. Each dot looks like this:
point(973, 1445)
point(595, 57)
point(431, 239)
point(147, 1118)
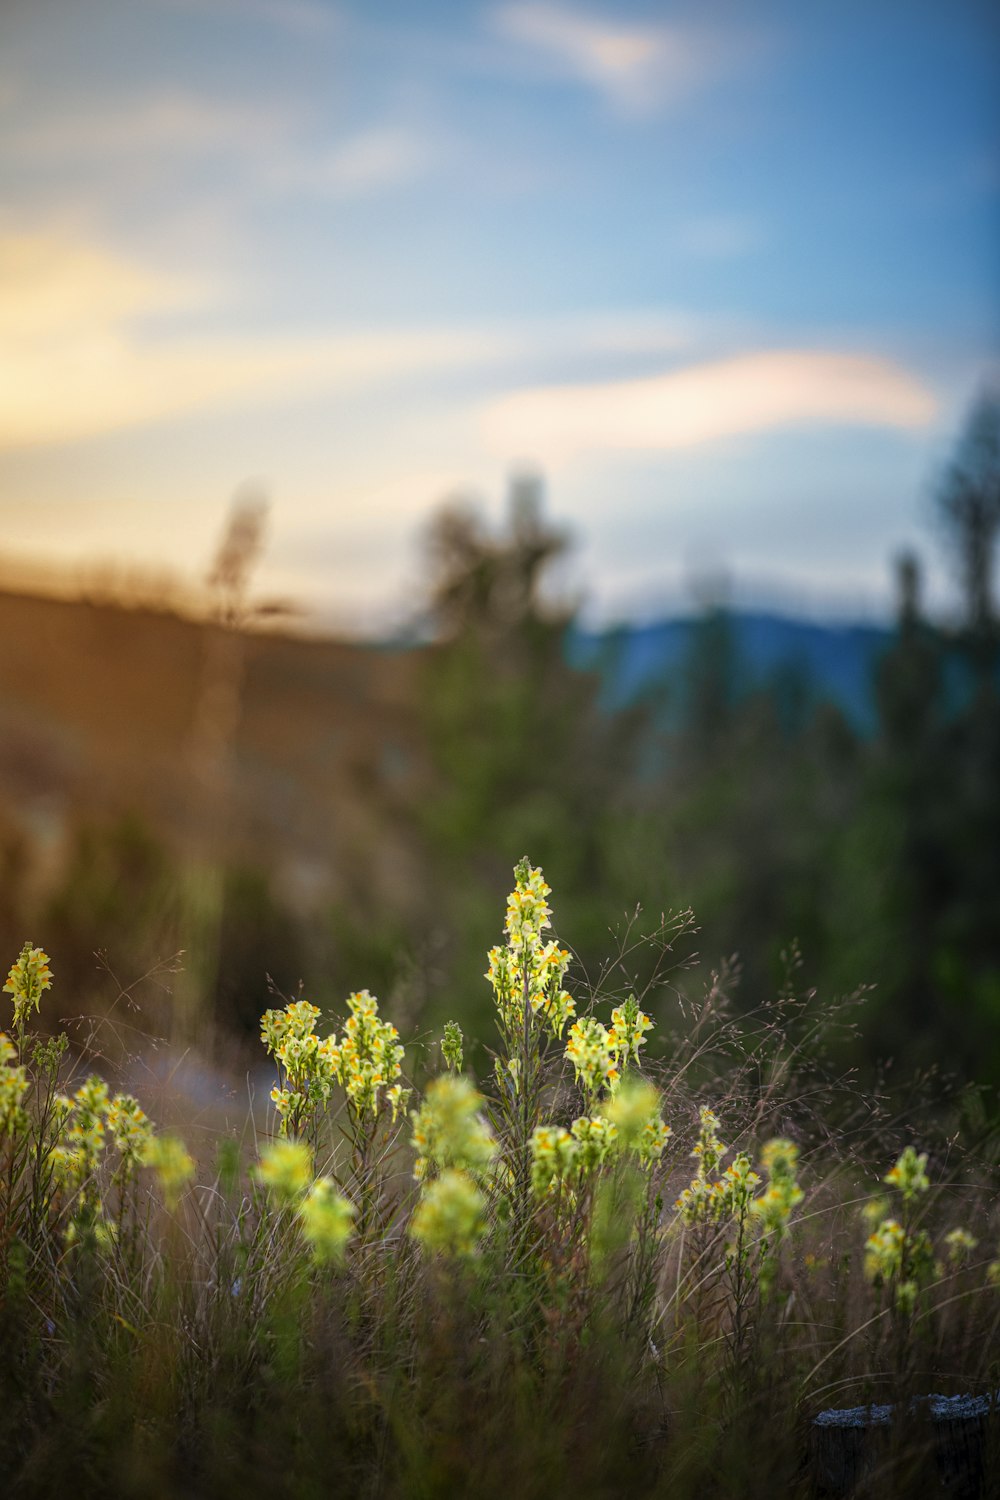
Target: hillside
point(834, 662)
point(287, 746)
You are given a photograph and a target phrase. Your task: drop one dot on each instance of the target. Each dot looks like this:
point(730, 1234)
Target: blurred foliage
point(759, 805)
point(764, 810)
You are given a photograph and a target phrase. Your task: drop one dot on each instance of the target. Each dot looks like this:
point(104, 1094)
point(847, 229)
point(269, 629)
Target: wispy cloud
point(174, 122)
point(72, 363)
point(54, 291)
point(701, 403)
point(367, 162)
point(635, 66)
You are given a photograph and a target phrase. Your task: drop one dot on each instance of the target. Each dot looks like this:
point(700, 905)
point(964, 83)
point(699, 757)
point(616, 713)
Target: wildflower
point(508, 1074)
point(450, 1218)
point(708, 1150)
point(593, 1056)
point(525, 967)
point(130, 1129)
point(899, 1259)
point(326, 1218)
point(81, 1144)
point(738, 1183)
point(909, 1174)
point(635, 1112)
point(13, 1087)
point(774, 1207)
point(705, 1201)
point(884, 1251)
point(906, 1295)
point(311, 1064)
point(596, 1139)
point(285, 1167)
point(451, 1046)
point(28, 979)
point(370, 1053)
point(629, 1025)
point(449, 1129)
point(960, 1244)
point(527, 910)
point(701, 1203)
point(173, 1166)
point(397, 1098)
point(554, 1157)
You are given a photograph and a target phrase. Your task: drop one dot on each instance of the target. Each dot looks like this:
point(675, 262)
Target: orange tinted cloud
point(701, 403)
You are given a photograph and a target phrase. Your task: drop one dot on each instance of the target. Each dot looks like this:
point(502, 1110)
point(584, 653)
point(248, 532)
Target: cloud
point(72, 363)
point(169, 121)
point(636, 67)
point(55, 290)
point(367, 162)
point(702, 403)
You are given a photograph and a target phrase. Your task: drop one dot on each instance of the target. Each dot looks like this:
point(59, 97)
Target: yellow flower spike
point(285, 1168)
point(450, 1130)
point(27, 981)
point(326, 1218)
point(450, 1218)
point(169, 1159)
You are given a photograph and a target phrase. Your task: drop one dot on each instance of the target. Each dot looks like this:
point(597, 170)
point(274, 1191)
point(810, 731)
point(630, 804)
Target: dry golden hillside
point(290, 749)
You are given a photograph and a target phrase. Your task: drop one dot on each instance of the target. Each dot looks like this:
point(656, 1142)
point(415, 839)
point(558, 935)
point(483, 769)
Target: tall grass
point(588, 1274)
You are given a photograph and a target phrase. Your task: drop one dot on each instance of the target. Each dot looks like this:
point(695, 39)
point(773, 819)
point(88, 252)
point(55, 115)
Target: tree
point(969, 500)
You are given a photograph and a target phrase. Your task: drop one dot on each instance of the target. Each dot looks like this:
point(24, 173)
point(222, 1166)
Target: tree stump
point(937, 1446)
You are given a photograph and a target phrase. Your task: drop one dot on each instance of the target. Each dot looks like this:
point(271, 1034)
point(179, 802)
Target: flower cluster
point(909, 1174)
point(738, 1183)
point(449, 1129)
point(704, 1201)
point(594, 1056)
point(13, 1087)
point(311, 1064)
point(596, 1140)
point(366, 1060)
point(528, 911)
point(526, 965)
point(81, 1144)
point(371, 1056)
point(553, 1158)
point(130, 1129)
point(960, 1244)
point(450, 1218)
point(774, 1207)
point(326, 1219)
point(285, 1169)
point(629, 1025)
point(561, 1157)
point(29, 977)
point(174, 1168)
point(896, 1256)
point(635, 1112)
point(324, 1216)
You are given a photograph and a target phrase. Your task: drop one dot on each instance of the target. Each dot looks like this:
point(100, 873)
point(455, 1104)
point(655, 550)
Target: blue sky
point(727, 275)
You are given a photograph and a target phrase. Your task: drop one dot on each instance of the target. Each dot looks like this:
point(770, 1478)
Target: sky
point(726, 276)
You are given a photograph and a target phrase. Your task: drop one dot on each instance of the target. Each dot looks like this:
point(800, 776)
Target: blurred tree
point(523, 756)
point(969, 500)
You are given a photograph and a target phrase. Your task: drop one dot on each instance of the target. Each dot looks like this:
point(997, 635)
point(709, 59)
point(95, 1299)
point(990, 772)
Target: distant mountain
point(832, 662)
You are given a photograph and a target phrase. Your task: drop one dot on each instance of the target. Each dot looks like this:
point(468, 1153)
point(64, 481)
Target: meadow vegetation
point(618, 1259)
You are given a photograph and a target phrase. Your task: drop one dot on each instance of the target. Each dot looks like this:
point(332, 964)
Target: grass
point(589, 1276)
